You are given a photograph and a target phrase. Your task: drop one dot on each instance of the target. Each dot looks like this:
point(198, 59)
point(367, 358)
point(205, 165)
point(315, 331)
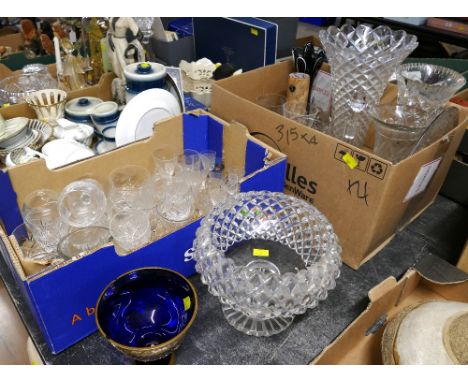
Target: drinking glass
point(273, 102)
point(165, 162)
point(297, 111)
point(208, 160)
point(131, 187)
point(177, 202)
point(30, 248)
point(130, 229)
point(191, 168)
point(83, 203)
point(42, 218)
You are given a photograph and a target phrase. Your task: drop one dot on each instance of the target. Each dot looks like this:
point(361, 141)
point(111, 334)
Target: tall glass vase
point(362, 61)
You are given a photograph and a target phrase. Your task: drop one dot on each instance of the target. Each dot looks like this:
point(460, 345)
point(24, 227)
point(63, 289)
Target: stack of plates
point(33, 135)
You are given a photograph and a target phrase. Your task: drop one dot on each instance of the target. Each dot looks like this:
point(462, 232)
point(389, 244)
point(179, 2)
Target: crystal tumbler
point(362, 60)
point(130, 229)
point(262, 291)
point(131, 187)
point(41, 217)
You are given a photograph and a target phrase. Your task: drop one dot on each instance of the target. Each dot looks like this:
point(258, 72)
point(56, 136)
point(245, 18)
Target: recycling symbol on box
point(377, 169)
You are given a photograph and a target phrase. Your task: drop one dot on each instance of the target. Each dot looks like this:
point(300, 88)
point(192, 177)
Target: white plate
point(142, 112)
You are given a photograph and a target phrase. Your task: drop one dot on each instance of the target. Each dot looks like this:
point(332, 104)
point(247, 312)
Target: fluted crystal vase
point(362, 61)
point(261, 290)
point(427, 86)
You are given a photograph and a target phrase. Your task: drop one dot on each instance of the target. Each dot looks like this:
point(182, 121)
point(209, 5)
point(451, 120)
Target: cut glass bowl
point(261, 295)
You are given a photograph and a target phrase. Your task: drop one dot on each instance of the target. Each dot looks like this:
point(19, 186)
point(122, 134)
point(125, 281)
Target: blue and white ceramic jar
point(105, 115)
point(78, 110)
point(142, 76)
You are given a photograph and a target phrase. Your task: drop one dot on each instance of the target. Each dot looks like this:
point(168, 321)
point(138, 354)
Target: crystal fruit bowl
point(260, 295)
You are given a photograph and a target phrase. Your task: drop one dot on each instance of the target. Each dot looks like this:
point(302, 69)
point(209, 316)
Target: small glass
point(191, 168)
point(130, 229)
point(273, 102)
point(297, 111)
point(41, 217)
point(30, 249)
point(208, 160)
point(131, 187)
point(165, 162)
point(177, 202)
point(83, 203)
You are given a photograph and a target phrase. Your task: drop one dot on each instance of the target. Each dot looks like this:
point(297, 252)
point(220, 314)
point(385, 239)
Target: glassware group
point(138, 207)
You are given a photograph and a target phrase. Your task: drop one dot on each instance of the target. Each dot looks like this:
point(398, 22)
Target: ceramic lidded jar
point(79, 109)
point(142, 76)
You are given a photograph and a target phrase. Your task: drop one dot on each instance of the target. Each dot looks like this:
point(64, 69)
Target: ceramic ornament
point(200, 70)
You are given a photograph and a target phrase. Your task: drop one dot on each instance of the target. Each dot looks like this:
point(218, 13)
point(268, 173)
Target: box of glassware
point(151, 218)
point(366, 197)
point(419, 319)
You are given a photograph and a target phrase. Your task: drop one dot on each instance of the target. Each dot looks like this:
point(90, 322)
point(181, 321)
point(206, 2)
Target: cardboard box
point(103, 90)
point(367, 204)
point(463, 260)
point(63, 298)
point(360, 342)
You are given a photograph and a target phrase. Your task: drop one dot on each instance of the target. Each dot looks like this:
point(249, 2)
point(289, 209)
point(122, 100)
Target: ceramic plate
point(142, 112)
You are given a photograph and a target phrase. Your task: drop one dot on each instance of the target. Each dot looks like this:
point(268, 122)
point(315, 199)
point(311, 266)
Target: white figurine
point(124, 48)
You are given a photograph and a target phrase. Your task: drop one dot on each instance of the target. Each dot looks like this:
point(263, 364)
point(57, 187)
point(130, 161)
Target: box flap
point(360, 342)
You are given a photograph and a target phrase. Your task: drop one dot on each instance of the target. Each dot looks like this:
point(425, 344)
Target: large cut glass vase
point(362, 60)
point(268, 257)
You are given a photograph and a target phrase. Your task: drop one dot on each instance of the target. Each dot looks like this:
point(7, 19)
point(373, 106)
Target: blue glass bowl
point(145, 313)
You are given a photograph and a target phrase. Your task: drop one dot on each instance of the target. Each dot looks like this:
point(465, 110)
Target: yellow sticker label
point(350, 161)
point(261, 252)
point(254, 31)
point(187, 303)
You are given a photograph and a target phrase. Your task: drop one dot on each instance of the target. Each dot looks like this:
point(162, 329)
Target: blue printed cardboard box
point(63, 297)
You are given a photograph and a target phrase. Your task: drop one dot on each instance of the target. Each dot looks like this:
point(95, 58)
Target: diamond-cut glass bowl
point(262, 294)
